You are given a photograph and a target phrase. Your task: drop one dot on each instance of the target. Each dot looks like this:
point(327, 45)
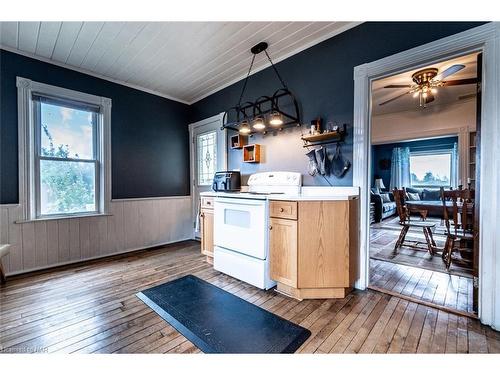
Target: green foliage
point(69, 186)
point(429, 179)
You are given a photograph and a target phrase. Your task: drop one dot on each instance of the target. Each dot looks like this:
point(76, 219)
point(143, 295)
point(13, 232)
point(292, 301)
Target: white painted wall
point(431, 122)
point(132, 225)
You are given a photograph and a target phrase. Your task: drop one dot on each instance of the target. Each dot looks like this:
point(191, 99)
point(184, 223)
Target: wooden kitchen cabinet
point(283, 251)
point(313, 253)
point(207, 228)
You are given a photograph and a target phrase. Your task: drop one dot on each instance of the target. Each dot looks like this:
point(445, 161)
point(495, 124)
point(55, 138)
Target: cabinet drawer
point(207, 202)
point(283, 209)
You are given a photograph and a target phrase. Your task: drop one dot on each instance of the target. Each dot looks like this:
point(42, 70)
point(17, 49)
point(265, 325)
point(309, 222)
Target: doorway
point(423, 141)
point(480, 39)
point(208, 154)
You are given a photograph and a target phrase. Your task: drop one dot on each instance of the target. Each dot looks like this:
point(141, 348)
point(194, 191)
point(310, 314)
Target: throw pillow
point(413, 196)
point(385, 198)
point(431, 195)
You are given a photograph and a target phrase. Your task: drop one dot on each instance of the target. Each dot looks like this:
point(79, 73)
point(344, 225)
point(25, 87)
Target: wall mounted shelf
point(238, 141)
point(251, 153)
point(324, 138)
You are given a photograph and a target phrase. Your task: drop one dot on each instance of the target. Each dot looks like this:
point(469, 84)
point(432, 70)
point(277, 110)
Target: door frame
point(219, 117)
point(485, 39)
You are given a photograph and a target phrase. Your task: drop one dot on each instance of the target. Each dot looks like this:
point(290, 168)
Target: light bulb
point(244, 128)
point(258, 124)
point(416, 94)
point(434, 90)
point(424, 95)
point(276, 119)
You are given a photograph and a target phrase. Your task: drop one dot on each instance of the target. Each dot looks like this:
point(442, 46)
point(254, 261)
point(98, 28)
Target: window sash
point(431, 153)
point(38, 157)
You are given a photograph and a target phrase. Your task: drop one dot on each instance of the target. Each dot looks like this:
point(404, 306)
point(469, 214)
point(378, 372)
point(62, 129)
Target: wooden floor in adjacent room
point(92, 308)
point(438, 288)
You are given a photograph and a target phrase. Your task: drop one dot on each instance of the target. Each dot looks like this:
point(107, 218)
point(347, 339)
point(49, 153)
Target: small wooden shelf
point(238, 141)
point(251, 153)
point(324, 138)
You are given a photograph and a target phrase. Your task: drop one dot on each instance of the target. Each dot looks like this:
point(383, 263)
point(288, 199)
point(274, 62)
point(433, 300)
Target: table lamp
point(379, 185)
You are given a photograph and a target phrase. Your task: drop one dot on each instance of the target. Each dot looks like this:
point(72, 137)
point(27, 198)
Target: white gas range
point(241, 226)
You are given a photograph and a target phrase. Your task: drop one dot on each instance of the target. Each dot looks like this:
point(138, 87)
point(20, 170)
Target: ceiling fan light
point(424, 95)
point(276, 119)
point(434, 90)
point(416, 94)
point(258, 124)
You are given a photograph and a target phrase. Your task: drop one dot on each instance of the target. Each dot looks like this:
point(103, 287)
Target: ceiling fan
point(426, 82)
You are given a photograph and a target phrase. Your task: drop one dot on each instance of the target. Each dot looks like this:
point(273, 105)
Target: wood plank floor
point(383, 237)
point(92, 308)
point(438, 288)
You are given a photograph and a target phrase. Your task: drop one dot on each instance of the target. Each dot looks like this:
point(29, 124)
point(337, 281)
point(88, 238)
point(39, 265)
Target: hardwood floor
point(450, 291)
point(383, 237)
point(92, 308)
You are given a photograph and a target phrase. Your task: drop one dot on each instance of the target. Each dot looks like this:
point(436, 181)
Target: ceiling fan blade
point(467, 96)
point(396, 97)
point(397, 87)
point(448, 72)
point(456, 82)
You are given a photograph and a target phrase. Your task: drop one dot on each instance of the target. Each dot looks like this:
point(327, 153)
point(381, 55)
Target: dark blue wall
point(384, 151)
point(322, 79)
point(149, 134)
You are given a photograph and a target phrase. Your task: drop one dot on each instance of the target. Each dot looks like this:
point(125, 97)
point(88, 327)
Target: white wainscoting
point(131, 225)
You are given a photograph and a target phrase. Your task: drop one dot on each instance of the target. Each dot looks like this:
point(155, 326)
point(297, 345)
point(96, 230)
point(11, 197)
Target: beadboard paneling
point(133, 224)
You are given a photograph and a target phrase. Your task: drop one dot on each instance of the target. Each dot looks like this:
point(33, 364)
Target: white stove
point(241, 226)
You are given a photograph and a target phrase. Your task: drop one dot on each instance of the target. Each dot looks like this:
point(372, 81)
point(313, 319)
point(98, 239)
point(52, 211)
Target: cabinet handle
point(282, 209)
point(270, 227)
point(202, 215)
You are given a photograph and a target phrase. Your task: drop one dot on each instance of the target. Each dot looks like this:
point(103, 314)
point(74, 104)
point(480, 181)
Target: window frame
point(198, 136)
point(30, 146)
point(430, 153)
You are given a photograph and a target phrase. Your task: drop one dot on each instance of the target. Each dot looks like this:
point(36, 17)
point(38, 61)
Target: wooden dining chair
point(458, 214)
point(406, 222)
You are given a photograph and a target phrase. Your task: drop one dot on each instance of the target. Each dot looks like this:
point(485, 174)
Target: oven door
point(241, 225)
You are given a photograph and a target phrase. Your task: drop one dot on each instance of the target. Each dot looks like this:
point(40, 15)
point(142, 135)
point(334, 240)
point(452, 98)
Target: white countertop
point(308, 193)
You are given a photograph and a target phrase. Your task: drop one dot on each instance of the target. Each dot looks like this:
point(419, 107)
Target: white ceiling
point(185, 61)
point(444, 96)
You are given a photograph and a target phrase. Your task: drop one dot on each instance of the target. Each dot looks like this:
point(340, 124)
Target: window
point(431, 169)
point(64, 162)
point(66, 157)
point(206, 146)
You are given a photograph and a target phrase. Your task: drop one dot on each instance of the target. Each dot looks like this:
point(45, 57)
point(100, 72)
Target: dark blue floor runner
point(219, 322)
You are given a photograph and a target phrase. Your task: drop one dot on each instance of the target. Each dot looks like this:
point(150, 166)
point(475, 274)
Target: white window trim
point(485, 38)
point(26, 139)
point(429, 153)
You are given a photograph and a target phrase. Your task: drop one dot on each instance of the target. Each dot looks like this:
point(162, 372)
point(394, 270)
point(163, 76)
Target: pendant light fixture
point(266, 110)
point(244, 127)
point(258, 124)
point(275, 119)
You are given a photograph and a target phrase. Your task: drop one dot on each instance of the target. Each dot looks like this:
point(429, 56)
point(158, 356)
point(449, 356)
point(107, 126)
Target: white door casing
point(485, 39)
point(197, 129)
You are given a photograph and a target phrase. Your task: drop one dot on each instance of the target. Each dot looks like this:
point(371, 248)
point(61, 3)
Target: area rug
point(219, 322)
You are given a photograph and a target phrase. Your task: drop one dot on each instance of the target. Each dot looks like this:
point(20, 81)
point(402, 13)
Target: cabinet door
point(323, 233)
point(283, 251)
point(207, 232)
